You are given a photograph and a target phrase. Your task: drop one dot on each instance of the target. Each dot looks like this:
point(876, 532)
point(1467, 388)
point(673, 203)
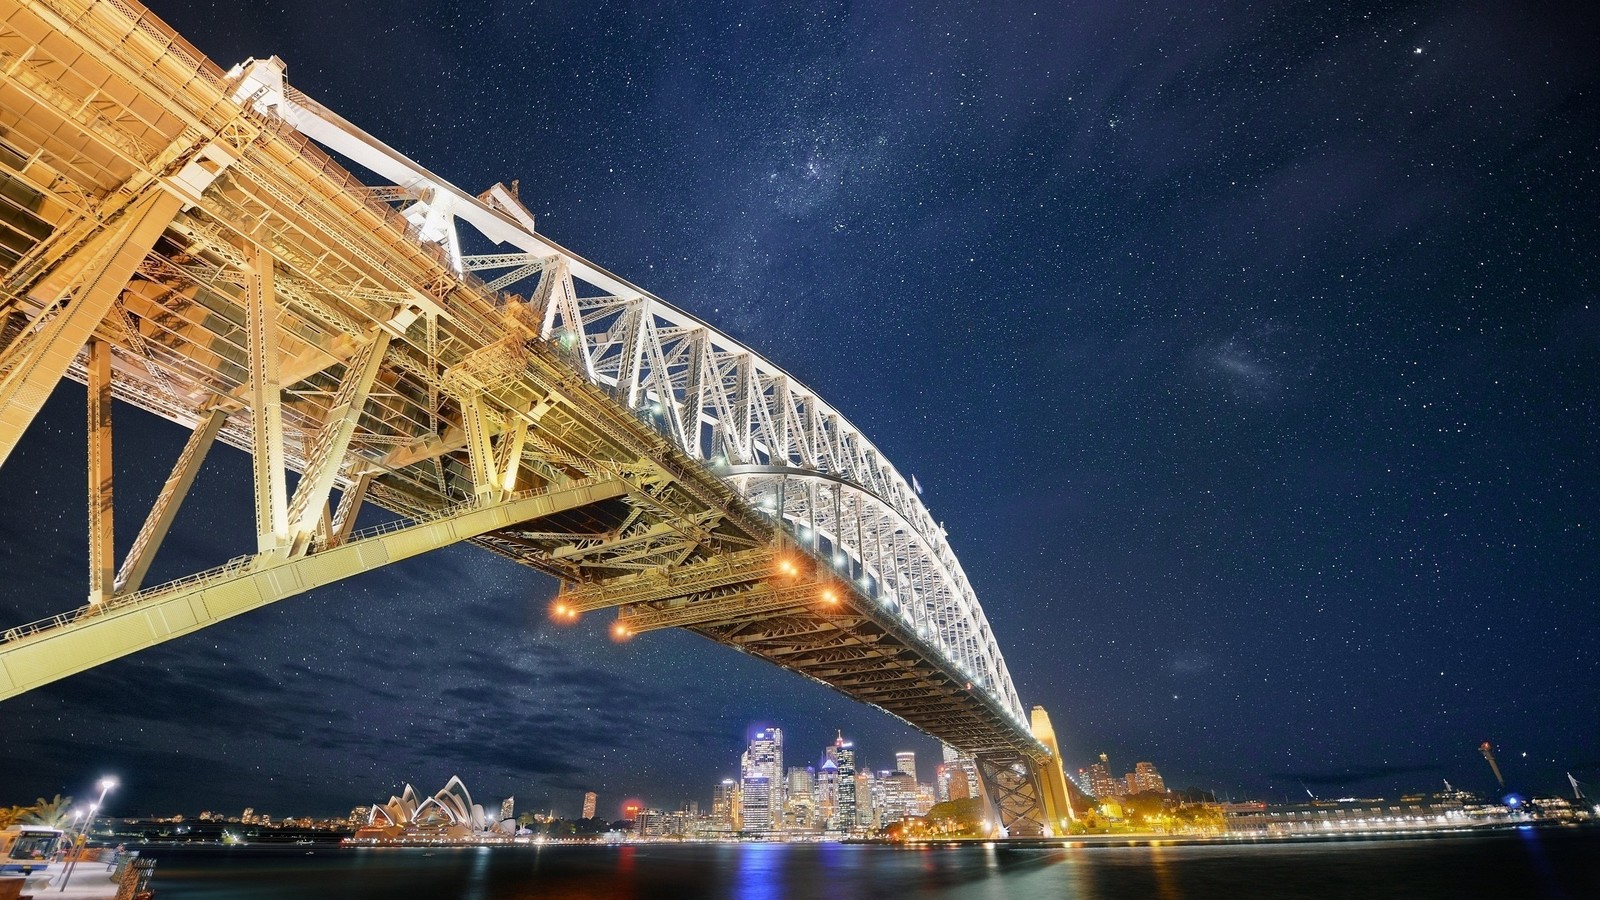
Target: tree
point(11, 815)
point(54, 813)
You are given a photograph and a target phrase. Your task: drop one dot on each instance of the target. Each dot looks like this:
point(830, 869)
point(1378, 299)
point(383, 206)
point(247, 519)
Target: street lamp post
point(106, 784)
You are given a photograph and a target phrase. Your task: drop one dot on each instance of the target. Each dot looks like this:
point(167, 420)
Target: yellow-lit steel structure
point(173, 236)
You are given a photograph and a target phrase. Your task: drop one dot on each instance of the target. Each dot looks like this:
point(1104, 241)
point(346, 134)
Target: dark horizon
point(1249, 355)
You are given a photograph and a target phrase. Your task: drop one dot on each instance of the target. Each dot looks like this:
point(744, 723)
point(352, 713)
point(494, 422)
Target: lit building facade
point(762, 776)
point(590, 801)
point(906, 761)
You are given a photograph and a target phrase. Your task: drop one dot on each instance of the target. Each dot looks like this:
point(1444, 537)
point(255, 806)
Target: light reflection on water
point(1534, 864)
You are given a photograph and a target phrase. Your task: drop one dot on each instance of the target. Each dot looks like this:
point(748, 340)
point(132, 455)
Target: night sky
point(1248, 352)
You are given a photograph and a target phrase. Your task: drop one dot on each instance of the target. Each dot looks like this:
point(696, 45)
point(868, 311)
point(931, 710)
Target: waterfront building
point(941, 783)
point(926, 798)
point(590, 801)
point(356, 819)
point(1337, 816)
point(449, 814)
point(508, 808)
point(906, 761)
point(249, 817)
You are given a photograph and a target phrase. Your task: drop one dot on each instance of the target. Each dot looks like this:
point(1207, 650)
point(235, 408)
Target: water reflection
point(1549, 864)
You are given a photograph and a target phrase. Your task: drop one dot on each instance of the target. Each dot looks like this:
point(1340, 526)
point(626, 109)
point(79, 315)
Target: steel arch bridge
point(179, 237)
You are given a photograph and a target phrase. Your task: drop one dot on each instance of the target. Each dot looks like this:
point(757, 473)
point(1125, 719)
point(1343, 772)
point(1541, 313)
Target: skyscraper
point(800, 797)
point(1101, 782)
point(723, 800)
point(906, 761)
point(844, 756)
point(762, 772)
point(589, 801)
point(828, 793)
point(508, 808)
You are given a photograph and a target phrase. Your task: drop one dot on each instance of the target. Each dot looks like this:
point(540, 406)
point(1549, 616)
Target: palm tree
point(11, 815)
point(54, 813)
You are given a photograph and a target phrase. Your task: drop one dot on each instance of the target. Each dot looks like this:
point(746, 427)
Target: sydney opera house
point(448, 815)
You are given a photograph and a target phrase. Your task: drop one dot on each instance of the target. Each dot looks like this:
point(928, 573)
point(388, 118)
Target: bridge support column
point(266, 403)
point(102, 548)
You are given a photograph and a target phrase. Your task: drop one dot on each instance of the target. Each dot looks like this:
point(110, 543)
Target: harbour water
point(1544, 863)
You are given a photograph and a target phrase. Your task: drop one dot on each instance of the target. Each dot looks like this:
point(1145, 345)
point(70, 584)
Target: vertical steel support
point(137, 564)
point(480, 452)
point(266, 403)
point(95, 275)
point(102, 549)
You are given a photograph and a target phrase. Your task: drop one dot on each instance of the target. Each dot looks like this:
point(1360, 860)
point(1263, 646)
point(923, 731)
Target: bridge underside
point(172, 243)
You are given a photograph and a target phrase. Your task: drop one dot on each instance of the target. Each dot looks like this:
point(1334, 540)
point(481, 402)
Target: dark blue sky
point(1249, 353)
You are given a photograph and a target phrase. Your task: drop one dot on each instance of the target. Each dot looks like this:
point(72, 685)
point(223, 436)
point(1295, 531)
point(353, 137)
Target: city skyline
point(1268, 440)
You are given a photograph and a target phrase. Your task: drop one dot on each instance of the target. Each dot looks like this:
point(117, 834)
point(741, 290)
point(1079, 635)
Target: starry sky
point(1248, 351)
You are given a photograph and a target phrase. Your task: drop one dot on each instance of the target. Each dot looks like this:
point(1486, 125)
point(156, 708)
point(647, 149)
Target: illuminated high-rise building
point(844, 757)
point(963, 774)
point(725, 806)
point(761, 771)
point(800, 799)
point(589, 803)
point(827, 812)
point(867, 799)
point(906, 761)
point(899, 793)
point(508, 808)
point(1101, 782)
point(1144, 777)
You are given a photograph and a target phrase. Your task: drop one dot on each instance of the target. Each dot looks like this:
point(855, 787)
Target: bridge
point(182, 238)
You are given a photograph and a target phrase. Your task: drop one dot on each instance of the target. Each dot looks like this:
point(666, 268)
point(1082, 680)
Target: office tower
point(589, 801)
point(868, 799)
point(963, 774)
point(899, 793)
point(906, 761)
point(762, 774)
point(844, 756)
point(507, 808)
point(249, 817)
point(800, 798)
point(827, 811)
point(1101, 783)
point(941, 783)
